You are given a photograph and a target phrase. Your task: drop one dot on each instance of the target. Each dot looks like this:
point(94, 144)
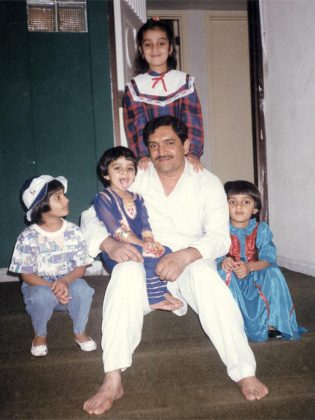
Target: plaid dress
point(151, 95)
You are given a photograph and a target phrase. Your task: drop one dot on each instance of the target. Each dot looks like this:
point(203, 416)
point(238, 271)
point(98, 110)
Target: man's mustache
point(162, 157)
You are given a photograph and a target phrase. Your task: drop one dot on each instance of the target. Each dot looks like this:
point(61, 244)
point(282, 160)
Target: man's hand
point(172, 265)
point(120, 251)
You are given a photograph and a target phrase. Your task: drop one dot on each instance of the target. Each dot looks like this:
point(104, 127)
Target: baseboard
point(4, 276)
point(304, 267)
point(96, 269)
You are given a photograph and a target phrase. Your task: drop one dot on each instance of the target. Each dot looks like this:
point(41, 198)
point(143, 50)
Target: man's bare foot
point(110, 391)
point(169, 304)
point(252, 388)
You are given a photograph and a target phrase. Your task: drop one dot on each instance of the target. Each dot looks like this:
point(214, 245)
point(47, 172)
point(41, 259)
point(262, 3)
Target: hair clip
point(155, 18)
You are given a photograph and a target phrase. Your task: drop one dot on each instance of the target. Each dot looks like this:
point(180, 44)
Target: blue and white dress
point(119, 217)
point(263, 296)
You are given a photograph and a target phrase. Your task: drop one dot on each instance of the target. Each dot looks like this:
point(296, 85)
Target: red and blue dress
point(151, 95)
point(263, 296)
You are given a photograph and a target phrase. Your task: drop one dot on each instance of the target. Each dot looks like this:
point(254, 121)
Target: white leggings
point(126, 303)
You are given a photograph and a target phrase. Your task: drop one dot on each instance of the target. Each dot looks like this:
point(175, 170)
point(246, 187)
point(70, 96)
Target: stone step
point(186, 385)
point(176, 373)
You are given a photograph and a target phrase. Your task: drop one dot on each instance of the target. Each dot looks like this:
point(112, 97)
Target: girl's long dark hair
point(141, 66)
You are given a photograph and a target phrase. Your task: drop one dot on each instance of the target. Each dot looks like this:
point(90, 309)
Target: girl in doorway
point(51, 256)
point(159, 89)
point(126, 219)
point(251, 272)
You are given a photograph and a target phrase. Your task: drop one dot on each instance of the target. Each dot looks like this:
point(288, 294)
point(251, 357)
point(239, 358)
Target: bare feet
point(110, 391)
point(169, 304)
point(252, 388)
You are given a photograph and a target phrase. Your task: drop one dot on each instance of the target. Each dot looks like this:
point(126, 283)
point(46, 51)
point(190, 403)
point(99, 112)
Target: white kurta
point(195, 215)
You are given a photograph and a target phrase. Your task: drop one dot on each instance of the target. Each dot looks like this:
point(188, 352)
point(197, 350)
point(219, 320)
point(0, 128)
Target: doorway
point(194, 30)
point(216, 53)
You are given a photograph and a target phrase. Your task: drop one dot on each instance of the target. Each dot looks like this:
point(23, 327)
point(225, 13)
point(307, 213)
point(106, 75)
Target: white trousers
point(126, 303)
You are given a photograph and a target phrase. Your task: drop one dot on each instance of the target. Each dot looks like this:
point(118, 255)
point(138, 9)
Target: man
point(188, 212)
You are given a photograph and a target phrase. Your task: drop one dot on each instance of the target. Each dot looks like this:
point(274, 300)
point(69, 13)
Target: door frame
point(120, 14)
point(116, 94)
point(258, 94)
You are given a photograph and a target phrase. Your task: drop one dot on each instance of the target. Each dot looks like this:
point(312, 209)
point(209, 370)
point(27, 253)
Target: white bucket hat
point(36, 191)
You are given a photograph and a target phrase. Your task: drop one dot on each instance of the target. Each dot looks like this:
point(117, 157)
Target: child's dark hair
point(110, 156)
point(245, 188)
point(177, 125)
point(141, 65)
point(43, 206)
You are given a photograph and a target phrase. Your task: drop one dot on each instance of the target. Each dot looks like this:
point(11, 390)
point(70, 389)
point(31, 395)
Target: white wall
point(288, 33)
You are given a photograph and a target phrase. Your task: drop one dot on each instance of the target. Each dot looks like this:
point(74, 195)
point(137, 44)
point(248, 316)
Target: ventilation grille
point(57, 16)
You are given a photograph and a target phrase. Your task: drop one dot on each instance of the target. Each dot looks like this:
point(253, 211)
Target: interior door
point(229, 95)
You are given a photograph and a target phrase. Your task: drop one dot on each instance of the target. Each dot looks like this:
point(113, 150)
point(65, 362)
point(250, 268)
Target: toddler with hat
point(51, 257)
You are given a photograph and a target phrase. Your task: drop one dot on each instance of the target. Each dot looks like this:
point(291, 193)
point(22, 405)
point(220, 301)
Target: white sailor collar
point(168, 86)
point(164, 84)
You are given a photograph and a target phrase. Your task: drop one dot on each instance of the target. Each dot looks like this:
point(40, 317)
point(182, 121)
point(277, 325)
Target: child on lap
point(250, 269)
point(126, 219)
point(51, 256)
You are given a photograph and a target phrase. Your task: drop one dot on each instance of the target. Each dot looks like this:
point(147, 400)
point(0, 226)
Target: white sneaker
point(87, 345)
point(39, 350)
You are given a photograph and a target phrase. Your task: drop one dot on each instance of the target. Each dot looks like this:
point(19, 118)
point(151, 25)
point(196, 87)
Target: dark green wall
point(55, 115)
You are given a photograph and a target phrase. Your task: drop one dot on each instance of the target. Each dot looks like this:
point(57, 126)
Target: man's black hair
point(165, 120)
